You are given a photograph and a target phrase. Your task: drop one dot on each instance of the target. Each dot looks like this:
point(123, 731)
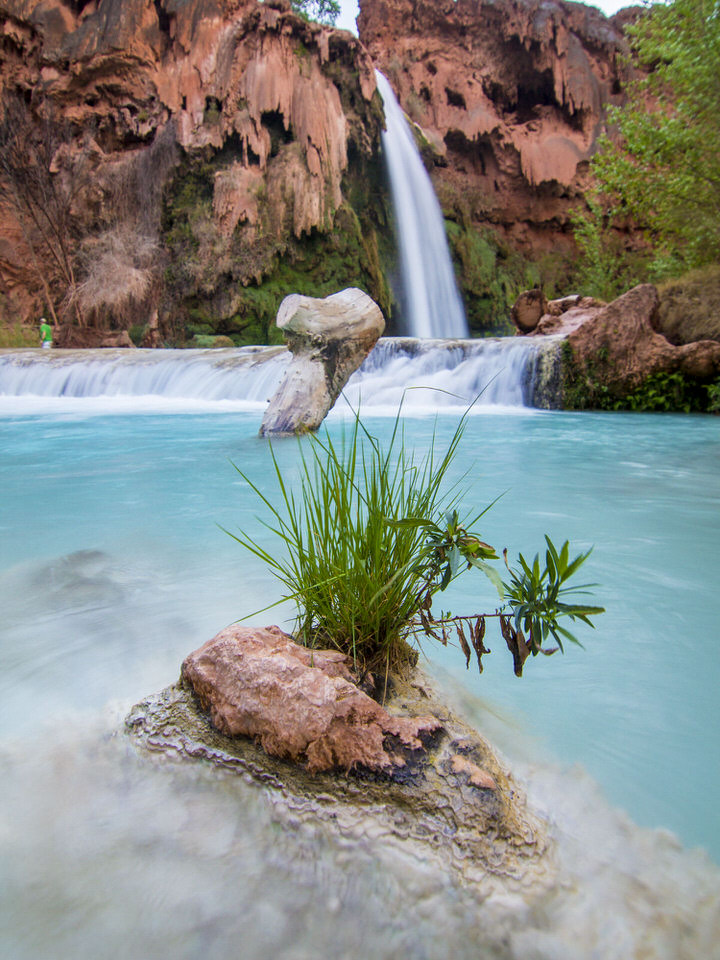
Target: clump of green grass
point(372, 535)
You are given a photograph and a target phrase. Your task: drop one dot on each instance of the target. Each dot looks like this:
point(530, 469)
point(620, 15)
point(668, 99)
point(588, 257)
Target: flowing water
point(113, 567)
point(424, 374)
point(431, 301)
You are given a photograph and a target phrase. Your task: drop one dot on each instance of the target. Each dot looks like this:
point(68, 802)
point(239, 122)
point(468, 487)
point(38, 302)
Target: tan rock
point(329, 339)
point(475, 774)
point(528, 309)
point(299, 704)
point(617, 345)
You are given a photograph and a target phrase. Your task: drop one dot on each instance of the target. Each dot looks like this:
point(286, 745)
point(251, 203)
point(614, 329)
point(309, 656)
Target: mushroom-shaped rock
point(329, 339)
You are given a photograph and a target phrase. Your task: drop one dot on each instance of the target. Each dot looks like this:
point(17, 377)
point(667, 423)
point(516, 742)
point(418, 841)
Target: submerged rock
point(449, 797)
point(329, 339)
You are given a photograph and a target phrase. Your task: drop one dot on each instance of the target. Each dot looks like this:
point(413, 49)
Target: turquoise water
point(112, 567)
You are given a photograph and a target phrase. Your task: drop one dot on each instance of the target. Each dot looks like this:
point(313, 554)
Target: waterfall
point(431, 299)
point(504, 371)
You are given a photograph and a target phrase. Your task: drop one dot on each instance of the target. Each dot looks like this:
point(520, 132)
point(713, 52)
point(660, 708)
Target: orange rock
point(475, 774)
point(298, 703)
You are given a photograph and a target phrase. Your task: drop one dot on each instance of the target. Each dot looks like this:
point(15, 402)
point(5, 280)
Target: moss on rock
point(232, 285)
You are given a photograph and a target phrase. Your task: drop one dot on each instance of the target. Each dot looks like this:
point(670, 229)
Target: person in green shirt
point(46, 333)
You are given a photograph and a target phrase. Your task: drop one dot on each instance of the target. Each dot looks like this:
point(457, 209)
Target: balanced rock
point(528, 309)
point(299, 704)
point(329, 339)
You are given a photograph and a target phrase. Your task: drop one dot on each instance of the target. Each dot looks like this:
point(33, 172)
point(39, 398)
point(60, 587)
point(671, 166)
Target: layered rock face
point(510, 95)
point(267, 114)
point(220, 154)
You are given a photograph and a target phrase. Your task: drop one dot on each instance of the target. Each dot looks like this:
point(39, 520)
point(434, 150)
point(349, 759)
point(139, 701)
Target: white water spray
point(500, 371)
point(432, 301)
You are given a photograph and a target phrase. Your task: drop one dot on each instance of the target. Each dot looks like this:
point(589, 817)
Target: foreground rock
point(298, 703)
point(612, 349)
point(329, 339)
point(410, 772)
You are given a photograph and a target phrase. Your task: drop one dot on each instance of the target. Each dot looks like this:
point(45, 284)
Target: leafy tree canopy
point(325, 11)
point(664, 171)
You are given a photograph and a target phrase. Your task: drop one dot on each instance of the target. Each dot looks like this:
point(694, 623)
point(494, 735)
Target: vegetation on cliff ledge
point(662, 171)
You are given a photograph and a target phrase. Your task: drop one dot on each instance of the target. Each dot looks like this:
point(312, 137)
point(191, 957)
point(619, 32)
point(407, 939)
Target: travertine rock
point(298, 703)
point(510, 94)
point(287, 98)
point(618, 345)
point(329, 339)
point(623, 339)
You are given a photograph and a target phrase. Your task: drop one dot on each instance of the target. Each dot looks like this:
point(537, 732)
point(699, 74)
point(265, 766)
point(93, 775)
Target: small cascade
point(432, 302)
point(503, 371)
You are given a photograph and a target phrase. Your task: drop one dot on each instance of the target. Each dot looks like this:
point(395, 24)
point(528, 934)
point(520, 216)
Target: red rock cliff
point(286, 99)
point(511, 94)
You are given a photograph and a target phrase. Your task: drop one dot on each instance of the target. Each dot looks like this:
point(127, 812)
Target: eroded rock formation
point(328, 339)
point(219, 154)
point(267, 112)
point(612, 349)
point(510, 95)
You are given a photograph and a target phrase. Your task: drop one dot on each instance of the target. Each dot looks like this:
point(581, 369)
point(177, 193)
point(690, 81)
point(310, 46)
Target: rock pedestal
point(329, 339)
point(409, 772)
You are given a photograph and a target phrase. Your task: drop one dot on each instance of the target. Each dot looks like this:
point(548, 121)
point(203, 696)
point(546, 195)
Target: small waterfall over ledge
point(506, 372)
point(431, 298)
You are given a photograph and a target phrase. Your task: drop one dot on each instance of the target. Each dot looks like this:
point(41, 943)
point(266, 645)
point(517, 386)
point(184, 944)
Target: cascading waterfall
point(432, 301)
point(501, 371)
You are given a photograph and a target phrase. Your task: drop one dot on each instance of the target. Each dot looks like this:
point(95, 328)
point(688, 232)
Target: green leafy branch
point(368, 537)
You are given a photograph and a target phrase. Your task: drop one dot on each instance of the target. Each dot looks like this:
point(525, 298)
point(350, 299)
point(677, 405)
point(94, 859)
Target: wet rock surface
point(299, 704)
point(329, 338)
point(618, 345)
point(452, 800)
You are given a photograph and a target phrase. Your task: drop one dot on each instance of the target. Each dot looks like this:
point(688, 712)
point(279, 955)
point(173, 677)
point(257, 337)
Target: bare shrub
point(138, 183)
point(118, 267)
point(43, 180)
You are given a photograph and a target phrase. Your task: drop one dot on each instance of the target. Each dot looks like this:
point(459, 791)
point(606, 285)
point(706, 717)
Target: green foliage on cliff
point(233, 285)
point(371, 536)
point(664, 172)
point(586, 388)
point(491, 276)
point(605, 268)
point(316, 266)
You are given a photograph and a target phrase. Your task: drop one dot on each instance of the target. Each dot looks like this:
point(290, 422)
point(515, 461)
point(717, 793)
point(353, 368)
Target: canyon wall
point(226, 151)
point(187, 163)
point(509, 97)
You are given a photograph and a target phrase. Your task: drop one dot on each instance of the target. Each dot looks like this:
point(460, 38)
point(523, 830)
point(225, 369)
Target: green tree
point(664, 170)
point(325, 11)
